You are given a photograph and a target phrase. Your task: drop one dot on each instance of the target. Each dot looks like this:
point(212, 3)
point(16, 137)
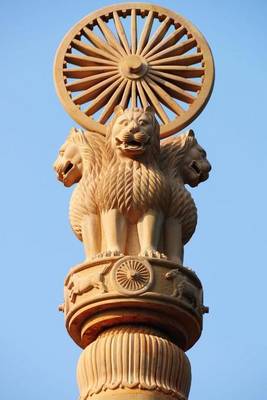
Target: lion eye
point(124, 122)
point(202, 152)
point(142, 122)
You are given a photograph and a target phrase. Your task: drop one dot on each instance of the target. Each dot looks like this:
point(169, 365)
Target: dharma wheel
point(134, 55)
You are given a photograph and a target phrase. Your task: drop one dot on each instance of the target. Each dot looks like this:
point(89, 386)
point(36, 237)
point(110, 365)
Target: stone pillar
point(133, 308)
point(134, 317)
point(132, 360)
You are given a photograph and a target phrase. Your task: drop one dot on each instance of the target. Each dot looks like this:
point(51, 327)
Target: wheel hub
point(152, 56)
point(133, 66)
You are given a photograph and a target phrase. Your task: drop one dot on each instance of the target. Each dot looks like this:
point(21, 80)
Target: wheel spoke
point(113, 101)
point(158, 35)
point(155, 103)
point(175, 50)
point(170, 40)
point(101, 99)
point(173, 90)
point(190, 59)
point(92, 37)
point(141, 94)
point(126, 95)
point(134, 55)
point(165, 97)
point(186, 84)
point(188, 72)
point(121, 32)
point(110, 37)
point(133, 95)
point(93, 51)
point(133, 31)
point(146, 32)
point(84, 61)
point(84, 72)
point(87, 82)
point(93, 91)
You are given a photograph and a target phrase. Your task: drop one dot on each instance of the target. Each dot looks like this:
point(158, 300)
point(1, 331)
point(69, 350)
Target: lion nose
point(209, 167)
point(57, 165)
point(133, 127)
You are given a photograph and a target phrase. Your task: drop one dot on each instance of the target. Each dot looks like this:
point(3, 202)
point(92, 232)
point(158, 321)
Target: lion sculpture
point(183, 161)
point(132, 188)
point(80, 161)
point(128, 182)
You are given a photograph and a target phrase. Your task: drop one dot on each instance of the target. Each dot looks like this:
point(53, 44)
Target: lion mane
point(132, 185)
point(181, 204)
point(83, 201)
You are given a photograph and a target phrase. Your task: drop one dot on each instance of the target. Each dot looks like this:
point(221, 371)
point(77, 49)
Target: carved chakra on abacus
point(132, 275)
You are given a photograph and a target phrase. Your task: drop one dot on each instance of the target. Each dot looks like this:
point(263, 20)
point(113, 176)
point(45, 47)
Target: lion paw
point(152, 253)
point(172, 274)
point(110, 253)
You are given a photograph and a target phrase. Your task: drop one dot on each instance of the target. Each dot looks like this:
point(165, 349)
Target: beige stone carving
point(132, 275)
point(120, 183)
point(132, 188)
point(78, 285)
point(126, 181)
point(184, 289)
point(128, 358)
point(183, 161)
point(131, 305)
point(129, 179)
point(80, 160)
point(171, 69)
point(138, 290)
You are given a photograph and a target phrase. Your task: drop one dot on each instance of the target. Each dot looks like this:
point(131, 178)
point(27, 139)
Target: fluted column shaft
point(132, 360)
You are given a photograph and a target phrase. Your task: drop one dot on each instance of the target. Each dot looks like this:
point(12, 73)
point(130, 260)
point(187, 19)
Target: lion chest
point(83, 198)
point(133, 188)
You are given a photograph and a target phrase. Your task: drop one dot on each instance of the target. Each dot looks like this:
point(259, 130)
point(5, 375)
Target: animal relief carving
point(79, 285)
point(183, 289)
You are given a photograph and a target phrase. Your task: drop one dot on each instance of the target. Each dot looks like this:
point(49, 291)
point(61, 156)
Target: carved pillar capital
point(148, 291)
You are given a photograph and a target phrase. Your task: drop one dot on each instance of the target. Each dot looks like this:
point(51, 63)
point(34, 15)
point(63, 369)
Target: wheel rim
point(134, 55)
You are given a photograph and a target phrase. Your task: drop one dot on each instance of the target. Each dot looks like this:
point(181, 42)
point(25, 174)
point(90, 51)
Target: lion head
point(133, 133)
point(195, 167)
point(184, 158)
point(69, 163)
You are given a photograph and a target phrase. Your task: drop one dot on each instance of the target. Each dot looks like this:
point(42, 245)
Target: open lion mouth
point(201, 174)
point(130, 145)
point(195, 167)
point(67, 168)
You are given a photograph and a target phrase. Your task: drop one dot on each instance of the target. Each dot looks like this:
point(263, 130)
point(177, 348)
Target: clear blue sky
point(228, 252)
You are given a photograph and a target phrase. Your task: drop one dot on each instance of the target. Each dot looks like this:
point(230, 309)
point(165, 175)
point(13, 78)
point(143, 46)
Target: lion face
point(68, 164)
point(195, 166)
point(133, 132)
